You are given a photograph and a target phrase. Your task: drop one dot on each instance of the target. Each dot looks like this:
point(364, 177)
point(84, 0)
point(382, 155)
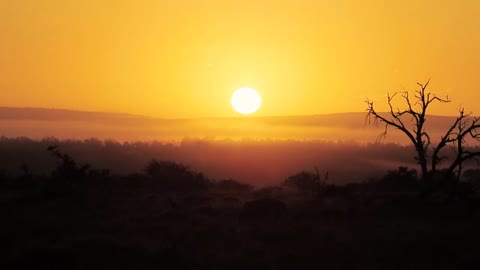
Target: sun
point(246, 100)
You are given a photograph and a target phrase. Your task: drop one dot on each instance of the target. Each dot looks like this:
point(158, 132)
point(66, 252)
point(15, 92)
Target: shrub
point(401, 179)
point(303, 181)
point(67, 168)
point(174, 176)
point(232, 185)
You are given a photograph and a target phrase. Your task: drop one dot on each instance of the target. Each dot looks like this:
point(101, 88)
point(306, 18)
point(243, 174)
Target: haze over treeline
point(258, 162)
point(256, 150)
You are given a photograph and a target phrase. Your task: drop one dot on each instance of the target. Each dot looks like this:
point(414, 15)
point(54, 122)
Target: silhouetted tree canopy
point(430, 152)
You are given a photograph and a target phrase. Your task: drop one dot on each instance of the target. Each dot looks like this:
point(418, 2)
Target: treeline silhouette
point(257, 163)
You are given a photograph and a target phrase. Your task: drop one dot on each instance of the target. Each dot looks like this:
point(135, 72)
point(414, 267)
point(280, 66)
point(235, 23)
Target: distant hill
point(13, 113)
point(41, 122)
point(350, 119)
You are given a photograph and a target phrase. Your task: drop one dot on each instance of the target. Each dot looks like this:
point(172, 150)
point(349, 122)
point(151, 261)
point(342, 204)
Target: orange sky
point(183, 58)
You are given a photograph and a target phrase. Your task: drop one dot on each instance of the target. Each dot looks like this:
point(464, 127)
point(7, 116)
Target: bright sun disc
point(246, 100)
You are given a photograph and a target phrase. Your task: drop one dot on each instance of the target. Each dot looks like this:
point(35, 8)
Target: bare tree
point(411, 122)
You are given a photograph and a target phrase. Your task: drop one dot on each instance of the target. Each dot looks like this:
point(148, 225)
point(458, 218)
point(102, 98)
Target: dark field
point(130, 225)
point(170, 216)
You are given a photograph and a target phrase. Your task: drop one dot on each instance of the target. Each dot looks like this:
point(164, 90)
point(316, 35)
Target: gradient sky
point(184, 58)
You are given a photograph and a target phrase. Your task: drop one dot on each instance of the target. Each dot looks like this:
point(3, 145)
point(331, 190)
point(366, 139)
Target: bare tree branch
point(445, 140)
point(417, 108)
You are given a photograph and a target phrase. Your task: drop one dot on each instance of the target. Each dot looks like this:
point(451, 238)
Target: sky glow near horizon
point(180, 58)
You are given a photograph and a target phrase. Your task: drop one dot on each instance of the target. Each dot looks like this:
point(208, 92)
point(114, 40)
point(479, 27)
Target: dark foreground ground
point(136, 225)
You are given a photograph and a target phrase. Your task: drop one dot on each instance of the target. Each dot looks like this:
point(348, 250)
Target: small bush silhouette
point(401, 179)
point(174, 176)
point(67, 168)
point(266, 192)
point(307, 182)
point(68, 176)
point(232, 185)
